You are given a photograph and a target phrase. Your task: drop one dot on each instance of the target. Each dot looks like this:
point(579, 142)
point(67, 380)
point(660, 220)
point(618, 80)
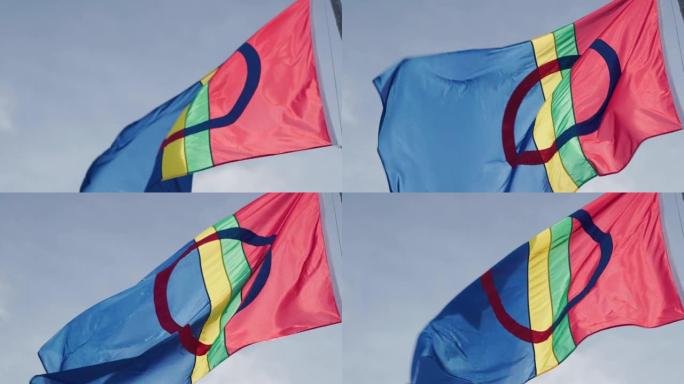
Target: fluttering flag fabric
point(264, 100)
point(543, 115)
point(256, 275)
point(604, 266)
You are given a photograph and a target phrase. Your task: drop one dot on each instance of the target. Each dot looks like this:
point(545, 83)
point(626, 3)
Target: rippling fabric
point(544, 115)
point(256, 275)
point(604, 266)
point(263, 100)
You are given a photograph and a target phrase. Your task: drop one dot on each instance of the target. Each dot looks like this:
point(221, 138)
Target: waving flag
point(259, 274)
point(263, 100)
point(543, 115)
point(604, 266)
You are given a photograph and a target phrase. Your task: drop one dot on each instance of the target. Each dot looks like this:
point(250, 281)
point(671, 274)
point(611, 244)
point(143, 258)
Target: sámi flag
point(259, 274)
point(604, 266)
point(543, 115)
point(264, 100)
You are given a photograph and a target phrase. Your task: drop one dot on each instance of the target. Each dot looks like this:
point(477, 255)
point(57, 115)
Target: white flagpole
point(672, 214)
point(671, 28)
point(323, 44)
point(331, 216)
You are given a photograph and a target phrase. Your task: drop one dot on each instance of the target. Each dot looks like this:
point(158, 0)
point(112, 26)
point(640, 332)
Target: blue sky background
point(62, 253)
point(74, 73)
point(398, 276)
point(379, 33)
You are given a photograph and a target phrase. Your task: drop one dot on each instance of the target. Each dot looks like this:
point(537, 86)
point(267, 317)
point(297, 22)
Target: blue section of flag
point(441, 124)
point(132, 163)
point(466, 344)
point(120, 340)
point(166, 362)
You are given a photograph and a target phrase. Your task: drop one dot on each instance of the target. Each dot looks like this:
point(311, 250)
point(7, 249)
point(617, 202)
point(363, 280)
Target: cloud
point(615, 182)
point(245, 368)
point(4, 295)
point(6, 112)
point(578, 369)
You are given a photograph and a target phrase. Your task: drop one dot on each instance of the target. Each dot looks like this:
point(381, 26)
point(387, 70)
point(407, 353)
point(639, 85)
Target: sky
point(62, 253)
point(74, 73)
point(397, 278)
point(379, 33)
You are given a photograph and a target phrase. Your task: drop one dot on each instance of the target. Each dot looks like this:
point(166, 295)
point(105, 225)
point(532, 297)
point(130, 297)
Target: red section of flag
point(637, 287)
point(285, 113)
point(642, 105)
point(298, 294)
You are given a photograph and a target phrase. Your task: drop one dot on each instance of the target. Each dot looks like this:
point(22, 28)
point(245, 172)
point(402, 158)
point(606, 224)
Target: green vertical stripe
point(197, 146)
point(565, 40)
point(239, 271)
point(218, 352)
point(574, 161)
point(199, 108)
point(559, 281)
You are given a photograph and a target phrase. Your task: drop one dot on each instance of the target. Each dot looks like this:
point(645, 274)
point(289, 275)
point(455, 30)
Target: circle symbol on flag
point(605, 243)
point(251, 56)
point(161, 282)
point(541, 156)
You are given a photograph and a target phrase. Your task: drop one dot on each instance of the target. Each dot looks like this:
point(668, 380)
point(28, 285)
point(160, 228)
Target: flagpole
point(336, 123)
point(331, 215)
point(675, 264)
point(670, 65)
point(672, 223)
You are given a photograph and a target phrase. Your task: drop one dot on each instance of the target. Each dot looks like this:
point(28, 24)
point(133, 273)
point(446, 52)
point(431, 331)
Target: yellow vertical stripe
point(173, 158)
point(545, 51)
point(544, 136)
point(544, 131)
point(541, 312)
point(205, 80)
point(219, 291)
